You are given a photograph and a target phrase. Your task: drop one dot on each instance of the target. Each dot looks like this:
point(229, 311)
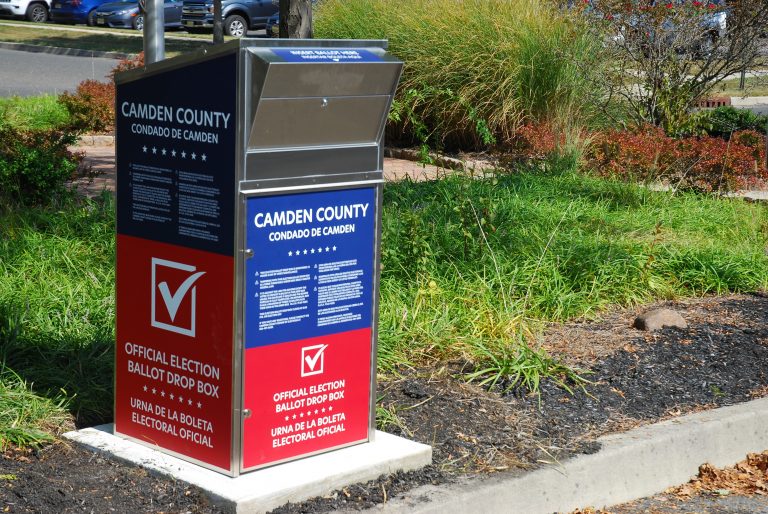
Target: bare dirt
point(635, 378)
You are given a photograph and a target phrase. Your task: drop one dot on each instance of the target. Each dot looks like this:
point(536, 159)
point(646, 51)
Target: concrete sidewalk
point(100, 155)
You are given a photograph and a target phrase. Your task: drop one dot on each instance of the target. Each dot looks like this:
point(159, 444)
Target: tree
point(665, 55)
point(218, 24)
point(296, 19)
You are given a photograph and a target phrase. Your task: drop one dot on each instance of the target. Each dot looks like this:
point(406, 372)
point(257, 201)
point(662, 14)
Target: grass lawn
point(473, 266)
point(92, 38)
point(755, 86)
point(471, 269)
point(32, 113)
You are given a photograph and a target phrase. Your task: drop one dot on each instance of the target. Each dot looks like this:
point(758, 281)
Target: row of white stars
point(309, 413)
point(173, 153)
point(174, 397)
point(311, 250)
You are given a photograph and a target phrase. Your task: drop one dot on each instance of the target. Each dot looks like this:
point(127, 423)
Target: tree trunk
point(296, 19)
point(218, 24)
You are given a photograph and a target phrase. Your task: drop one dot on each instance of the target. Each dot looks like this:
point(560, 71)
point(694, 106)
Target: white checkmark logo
point(312, 361)
point(172, 301)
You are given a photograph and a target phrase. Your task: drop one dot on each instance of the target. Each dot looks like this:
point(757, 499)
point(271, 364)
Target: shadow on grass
point(104, 42)
point(81, 371)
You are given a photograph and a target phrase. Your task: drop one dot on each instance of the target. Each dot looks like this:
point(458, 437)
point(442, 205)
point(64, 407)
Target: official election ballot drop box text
point(248, 197)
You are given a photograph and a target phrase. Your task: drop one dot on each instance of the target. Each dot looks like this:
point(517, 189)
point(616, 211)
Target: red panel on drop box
point(306, 396)
point(173, 366)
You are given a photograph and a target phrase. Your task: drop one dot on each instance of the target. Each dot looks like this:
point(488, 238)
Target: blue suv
point(75, 11)
point(239, 16)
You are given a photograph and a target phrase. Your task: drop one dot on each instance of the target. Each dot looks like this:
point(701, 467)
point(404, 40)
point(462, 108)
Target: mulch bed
point(635, 378)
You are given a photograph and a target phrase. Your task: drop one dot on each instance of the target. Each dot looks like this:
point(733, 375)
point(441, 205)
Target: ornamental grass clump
point(476, 70)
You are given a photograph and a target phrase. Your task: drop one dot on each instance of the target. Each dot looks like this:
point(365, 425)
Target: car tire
point(37, 13)
point(90, 20)
point(235, 26)
point(138, 22)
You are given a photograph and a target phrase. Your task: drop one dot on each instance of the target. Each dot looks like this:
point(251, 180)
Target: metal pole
point(154, 31)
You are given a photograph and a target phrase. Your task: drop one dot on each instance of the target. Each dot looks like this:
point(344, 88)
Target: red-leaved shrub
point(92, 106)
point(128, 64)
point(535, 141)
point(697, 163)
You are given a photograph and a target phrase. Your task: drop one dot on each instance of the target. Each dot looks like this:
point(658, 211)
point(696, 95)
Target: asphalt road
point(29, 73)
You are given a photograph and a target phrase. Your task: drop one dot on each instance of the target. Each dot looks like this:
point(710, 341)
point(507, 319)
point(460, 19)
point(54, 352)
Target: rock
point(659, 318)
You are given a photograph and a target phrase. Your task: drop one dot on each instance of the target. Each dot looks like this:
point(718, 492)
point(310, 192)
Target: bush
point(92, 106)
point(698, 163)
point(724, 121)
point(35, 164)
point(128, 64)
point(477, 70)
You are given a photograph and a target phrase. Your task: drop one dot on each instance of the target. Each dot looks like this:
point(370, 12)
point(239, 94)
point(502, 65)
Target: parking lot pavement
point(756, 104)
point(28, 74)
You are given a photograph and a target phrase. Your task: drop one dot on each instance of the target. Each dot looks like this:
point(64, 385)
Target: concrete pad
point(266, 489)
point(633, 465)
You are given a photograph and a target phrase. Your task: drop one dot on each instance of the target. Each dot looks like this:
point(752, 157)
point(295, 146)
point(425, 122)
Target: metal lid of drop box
point(316, 108)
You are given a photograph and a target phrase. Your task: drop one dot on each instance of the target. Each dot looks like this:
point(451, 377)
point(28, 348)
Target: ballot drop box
point(249, 181)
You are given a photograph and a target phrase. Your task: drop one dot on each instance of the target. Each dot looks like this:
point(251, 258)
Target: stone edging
point(440, 161)
point(96, 140)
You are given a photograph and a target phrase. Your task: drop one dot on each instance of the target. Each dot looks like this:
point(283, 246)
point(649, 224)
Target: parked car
point(239, 15)
point(75, 11)
point(126, 14)
point(31, 10)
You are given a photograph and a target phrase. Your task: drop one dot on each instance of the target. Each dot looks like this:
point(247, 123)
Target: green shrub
point(35, 164)
point(724, 121)
point(476, 70)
